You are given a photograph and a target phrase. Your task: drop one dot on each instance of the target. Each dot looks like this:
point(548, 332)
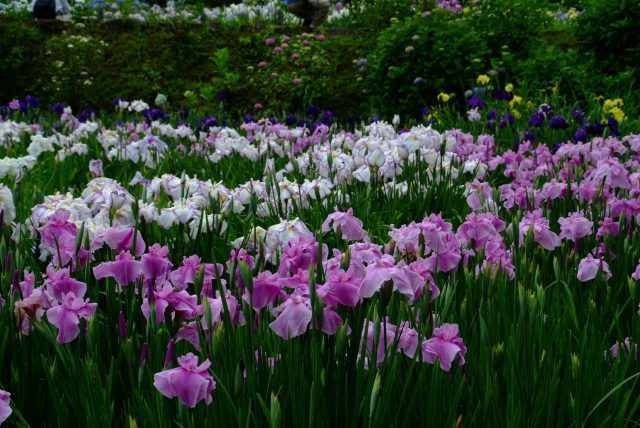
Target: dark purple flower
point(32, 101)
point(529, 135)
point(312, 111)
point(613, 126)
point(327, 118)
point(580, 135)
point(208, 122)
point(477, 102)
point(537, 119)
point(425, 111)
point(595, 129)
point(85, 115)
point(546, 109)
point(184, 113)
point(154, 114)
point(491, 119)
point(507, 120)
point(291, 119)
point(578, 116)
point(57, 108)
point(558, 122)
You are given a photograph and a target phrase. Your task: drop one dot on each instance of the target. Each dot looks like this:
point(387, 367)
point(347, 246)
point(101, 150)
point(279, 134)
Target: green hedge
point(360, 70)
point(91, 64)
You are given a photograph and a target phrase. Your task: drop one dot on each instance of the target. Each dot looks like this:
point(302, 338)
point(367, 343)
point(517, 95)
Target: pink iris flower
point(575, 226)
point(589, 267)
point(185, 274)
point(636, 275)
point(293, 317)
point(541, 232)
point(341, 288)
point(124, 269)
point(168, 301)
point(190, 382)
point(67, 315)
point(5, 408)
point(58, 237)
point(155, 263)
point(350, 226)
point(377, 273)
point(59, 283)
point(444, 347)
point(119, 239)
point(266, 289)
point(299, 253)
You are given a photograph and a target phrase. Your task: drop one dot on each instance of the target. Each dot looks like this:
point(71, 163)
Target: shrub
point(422, 56)
point(611, 30)
point(513, 25)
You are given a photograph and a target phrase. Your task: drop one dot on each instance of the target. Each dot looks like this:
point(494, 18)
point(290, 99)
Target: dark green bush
point(90, 66)
point(441, 49)
point(611, 30)
point(513, 25)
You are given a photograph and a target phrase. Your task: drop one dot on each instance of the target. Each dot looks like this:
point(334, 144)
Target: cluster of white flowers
point(269, 11)
point(328, 160)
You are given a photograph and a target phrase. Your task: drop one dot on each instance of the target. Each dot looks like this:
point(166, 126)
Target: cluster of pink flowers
point(350, 278)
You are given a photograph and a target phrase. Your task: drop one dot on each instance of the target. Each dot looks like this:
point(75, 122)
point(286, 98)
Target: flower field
point(476, 264)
